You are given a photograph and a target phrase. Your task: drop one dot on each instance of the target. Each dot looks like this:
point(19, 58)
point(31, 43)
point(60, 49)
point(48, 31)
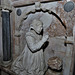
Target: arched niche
point(30, 10)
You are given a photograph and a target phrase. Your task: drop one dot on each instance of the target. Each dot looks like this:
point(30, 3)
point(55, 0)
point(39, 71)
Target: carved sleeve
point(33, 46)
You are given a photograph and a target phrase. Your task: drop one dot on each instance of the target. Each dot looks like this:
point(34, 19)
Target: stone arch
point(29, 10)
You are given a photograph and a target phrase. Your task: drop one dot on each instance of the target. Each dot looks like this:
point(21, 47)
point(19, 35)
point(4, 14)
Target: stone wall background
point(52, 26)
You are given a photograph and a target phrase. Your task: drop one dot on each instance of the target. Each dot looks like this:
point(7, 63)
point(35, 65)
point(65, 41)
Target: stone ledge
point(28, 2)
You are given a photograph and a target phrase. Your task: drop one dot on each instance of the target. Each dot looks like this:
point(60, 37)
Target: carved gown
point(30, 62)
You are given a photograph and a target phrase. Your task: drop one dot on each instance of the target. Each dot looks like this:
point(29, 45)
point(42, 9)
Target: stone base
point(6, 63)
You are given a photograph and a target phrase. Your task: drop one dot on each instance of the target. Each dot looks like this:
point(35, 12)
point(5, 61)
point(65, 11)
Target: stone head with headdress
point(37, 26)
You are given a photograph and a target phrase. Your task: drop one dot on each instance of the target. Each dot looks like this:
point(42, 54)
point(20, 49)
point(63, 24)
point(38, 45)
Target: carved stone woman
point(31, 60)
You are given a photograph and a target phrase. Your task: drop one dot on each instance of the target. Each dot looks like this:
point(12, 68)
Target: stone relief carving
point(37, 8)
point(25, 14)
point(54, 66)
point(31, 60)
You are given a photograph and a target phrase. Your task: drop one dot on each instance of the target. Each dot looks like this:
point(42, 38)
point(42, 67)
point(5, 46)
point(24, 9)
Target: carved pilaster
point(6, 8)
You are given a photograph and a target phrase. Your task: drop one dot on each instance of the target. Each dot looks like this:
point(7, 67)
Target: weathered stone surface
point(33, 52)
point(56, 46)
point(12, 21)
point(54, 28)
point(6, 4)
point(27, 2)
point(55, 63)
